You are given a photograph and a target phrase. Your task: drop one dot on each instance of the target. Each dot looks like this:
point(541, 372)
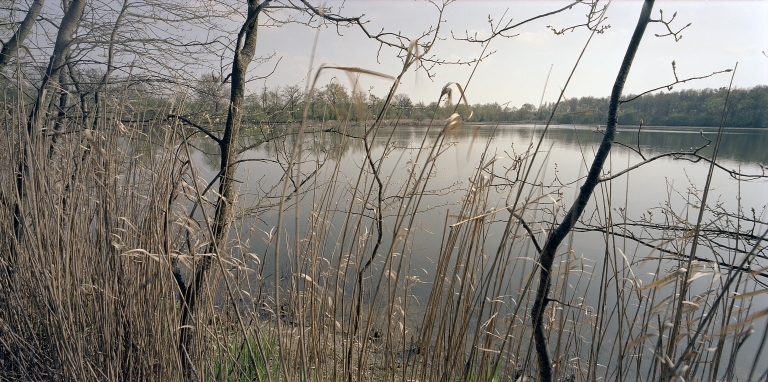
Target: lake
point(649, 210)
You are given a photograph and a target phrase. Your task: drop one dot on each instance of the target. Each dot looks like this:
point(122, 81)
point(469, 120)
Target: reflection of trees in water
point(744, 145)
point(210, 150)
point(334, 144)
point(150, 138)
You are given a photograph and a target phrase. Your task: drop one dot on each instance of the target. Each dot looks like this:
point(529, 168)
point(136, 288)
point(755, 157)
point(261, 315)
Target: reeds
point(116, 220)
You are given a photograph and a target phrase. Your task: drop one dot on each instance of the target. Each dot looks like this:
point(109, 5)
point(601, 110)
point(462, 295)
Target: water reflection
point(742, 145)
point(336, 185)
point(567, 151)
point(394, 150)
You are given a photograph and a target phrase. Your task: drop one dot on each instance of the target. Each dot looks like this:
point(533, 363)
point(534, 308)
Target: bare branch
point(677, 81)
point(677, 34)
point(508, 27)
point(190, 123)
point(694, 158)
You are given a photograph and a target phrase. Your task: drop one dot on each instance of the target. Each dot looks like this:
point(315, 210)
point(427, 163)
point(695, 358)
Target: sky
point(721, 34)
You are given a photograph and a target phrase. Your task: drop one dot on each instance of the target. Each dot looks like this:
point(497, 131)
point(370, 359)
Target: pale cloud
point(532, 37)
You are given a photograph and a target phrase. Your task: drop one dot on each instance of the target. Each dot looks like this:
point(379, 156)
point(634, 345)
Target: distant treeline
point(746, 108)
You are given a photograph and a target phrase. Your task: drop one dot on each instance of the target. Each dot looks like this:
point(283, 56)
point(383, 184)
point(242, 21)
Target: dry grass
point(115, 216)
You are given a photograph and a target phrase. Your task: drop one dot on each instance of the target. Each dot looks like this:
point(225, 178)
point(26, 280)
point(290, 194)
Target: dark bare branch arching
point(585, 193)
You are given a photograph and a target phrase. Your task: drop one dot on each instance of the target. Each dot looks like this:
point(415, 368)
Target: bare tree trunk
point(64, 39)
point(10, 48)
point(593, 178)
point(244, 52)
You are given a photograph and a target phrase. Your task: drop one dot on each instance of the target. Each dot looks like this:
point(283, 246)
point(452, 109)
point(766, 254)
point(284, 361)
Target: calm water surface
point(566, 151)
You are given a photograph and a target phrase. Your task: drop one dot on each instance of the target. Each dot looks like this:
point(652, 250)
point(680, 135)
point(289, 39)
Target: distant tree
point(292, 97)
point(526, 112)
point(375, 104)
point(403, 101)
point(211, 92)
point(419, 111)
point(337, 97)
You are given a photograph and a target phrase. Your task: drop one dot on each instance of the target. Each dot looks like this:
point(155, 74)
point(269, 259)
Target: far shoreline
point(425, 123)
